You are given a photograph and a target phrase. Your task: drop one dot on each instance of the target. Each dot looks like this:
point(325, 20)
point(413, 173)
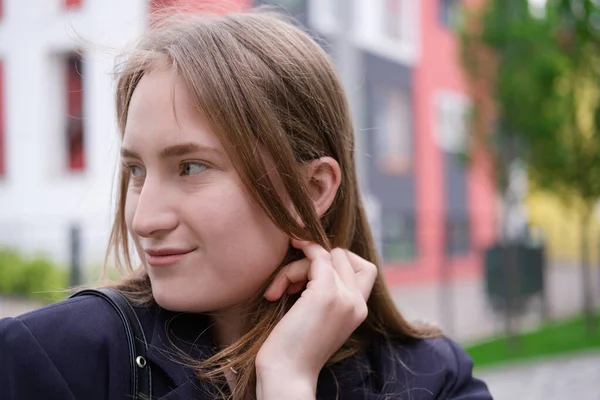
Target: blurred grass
point(32, 277)
point(553, 339)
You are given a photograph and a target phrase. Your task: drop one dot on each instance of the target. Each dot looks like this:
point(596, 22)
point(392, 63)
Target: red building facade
point(438, 91)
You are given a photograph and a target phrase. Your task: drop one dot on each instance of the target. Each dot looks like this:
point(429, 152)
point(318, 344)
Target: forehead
point(162, 112)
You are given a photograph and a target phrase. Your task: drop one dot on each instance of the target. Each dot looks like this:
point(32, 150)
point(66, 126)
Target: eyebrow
point(176, 150)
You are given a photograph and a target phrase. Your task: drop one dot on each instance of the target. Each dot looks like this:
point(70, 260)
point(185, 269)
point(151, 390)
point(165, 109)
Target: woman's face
point(205, 243)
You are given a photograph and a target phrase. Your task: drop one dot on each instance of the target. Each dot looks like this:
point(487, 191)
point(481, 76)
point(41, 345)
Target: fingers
point(342, 266)
point(290, 275)
point(323, 269)
point(365, 273)
point(320, 274)
point(311, 250)
point(358, 263)
point(356, 272)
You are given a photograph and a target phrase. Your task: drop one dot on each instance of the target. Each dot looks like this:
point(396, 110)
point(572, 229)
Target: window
point(393, 132)
point(74, 114)
point(72, 3)
point(398, 236)
point(449, 11)
point(457, 236)
point(2, 142)
point(389, 28)
point(452, 113)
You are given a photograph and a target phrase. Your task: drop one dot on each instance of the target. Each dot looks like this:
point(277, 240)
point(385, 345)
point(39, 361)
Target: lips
point(165, 256)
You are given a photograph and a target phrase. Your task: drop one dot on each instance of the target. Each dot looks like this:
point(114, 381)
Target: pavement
point(571, 377)
point(463, 313)
point(10, 307)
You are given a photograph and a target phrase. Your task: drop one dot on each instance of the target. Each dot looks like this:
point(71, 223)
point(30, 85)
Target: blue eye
point(192, 168)
point(135, 171)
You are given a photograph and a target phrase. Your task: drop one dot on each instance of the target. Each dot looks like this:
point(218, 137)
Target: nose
point(153, 214)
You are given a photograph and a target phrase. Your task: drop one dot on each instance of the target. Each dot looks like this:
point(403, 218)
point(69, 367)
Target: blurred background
point(478, 141)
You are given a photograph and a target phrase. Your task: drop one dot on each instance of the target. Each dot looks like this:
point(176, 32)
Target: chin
point(179, 301)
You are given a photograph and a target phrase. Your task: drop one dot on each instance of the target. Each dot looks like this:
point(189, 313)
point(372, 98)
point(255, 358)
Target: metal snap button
point(140, 361)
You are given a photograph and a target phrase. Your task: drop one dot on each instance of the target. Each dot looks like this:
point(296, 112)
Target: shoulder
point(69, 323)
point(65, 343)
point(420, 369)
point(431, 356)
point(427, 369)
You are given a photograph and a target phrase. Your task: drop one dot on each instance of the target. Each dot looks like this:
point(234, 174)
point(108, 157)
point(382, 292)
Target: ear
point(323, 178)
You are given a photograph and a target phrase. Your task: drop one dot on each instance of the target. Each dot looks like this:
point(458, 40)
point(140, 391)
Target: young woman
point(258, 277)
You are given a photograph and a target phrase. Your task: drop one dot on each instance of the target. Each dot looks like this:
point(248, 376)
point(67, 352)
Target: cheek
point(247, 233)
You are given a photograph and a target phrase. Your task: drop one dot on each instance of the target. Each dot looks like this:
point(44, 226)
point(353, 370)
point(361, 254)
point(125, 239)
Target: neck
point(228, 326)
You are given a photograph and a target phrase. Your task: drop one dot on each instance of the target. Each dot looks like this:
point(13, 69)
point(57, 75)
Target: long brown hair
point(261, 80)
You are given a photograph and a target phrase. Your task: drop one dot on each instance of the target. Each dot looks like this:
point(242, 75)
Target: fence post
point(75, 248)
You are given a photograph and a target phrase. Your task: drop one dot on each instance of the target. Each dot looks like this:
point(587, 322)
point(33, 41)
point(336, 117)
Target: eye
point(135, 171)
point(192, 168)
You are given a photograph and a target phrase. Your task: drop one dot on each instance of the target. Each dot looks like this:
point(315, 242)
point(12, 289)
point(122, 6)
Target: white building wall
point(39, 198)
point(368, 22)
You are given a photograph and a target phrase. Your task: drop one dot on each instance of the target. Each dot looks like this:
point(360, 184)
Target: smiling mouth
point(166, 257)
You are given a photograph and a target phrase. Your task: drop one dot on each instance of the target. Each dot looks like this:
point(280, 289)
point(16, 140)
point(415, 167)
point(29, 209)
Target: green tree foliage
point(544, 73)
point(535, 79)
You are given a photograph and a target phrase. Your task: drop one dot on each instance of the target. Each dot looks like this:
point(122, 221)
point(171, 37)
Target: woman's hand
point(331, 307)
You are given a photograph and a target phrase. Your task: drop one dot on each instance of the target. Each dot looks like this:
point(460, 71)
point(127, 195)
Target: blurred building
point(58, 136)
point(456, 206)
point(437, 213)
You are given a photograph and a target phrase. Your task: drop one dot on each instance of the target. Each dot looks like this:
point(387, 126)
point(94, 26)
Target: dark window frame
point(74, 124)
point(401, 245)
point(457, 235)
point(449, 13)
point(69, 4)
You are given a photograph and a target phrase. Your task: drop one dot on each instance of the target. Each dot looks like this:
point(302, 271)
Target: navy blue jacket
point(76, 349)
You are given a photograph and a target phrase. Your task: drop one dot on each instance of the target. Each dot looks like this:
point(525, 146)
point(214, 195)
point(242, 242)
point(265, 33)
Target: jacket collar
point(174, 336)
